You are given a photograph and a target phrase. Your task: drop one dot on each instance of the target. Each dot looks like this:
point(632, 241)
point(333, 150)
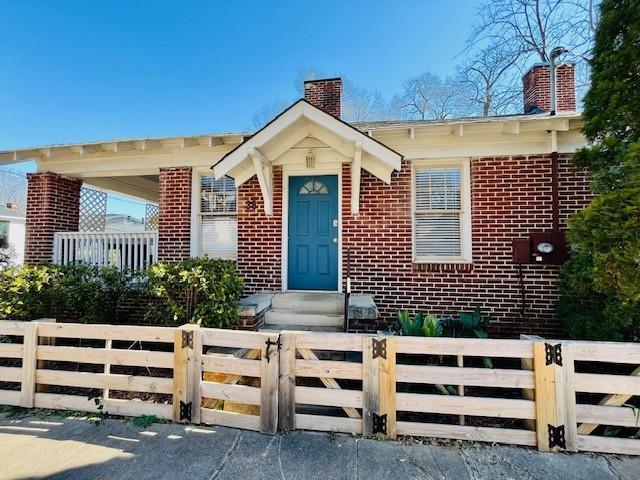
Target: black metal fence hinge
point(187, 338)
point(185, 411)
point(556, 436)
point(379, 348)
point(379, 423)
point(270, 342)
point(553, 353)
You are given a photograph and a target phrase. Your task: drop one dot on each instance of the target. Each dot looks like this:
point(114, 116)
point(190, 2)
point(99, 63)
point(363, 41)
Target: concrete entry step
point(299, 328)
point(309, 302)
point(303, 318)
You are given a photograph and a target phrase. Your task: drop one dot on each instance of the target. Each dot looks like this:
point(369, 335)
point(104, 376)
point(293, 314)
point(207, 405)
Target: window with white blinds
point(440, 213)
point(218, 217)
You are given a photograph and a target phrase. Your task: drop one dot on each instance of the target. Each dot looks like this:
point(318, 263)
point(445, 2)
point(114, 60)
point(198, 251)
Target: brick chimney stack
point(537, 88)
point(326, 94)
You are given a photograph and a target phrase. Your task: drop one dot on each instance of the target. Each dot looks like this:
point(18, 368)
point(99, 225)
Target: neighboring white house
point(120, 222)
point(12, 224)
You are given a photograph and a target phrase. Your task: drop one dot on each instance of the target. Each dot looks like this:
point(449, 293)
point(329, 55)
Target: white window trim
point(465, 199)
point(196, 215)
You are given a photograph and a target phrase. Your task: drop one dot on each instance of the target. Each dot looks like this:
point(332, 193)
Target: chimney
point(537, 88)
point(326, 94)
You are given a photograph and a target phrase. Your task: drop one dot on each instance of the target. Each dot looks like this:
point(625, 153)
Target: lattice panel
point(93, 210)
point(151, 214)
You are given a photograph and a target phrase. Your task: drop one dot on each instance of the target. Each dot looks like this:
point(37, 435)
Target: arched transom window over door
point(313, 187)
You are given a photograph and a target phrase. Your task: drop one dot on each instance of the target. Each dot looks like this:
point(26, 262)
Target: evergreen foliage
point(600, 285)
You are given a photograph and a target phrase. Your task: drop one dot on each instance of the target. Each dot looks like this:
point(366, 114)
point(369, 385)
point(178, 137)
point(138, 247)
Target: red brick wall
point(511, 196)
point(174, 219)
point(566, 88)
point(53, 205)
point(260, 236)
point(537, 88)
point(324, 94)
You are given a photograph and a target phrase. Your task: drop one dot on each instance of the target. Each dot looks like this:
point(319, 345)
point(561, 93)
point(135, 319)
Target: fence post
point(29, 355)
point(555, 397)
point(40, 364)
point(527, 364)
point(379, 386)
point(187, 374)
point(269, 380)
point(287, 383)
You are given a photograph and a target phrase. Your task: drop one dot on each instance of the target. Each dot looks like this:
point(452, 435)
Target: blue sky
point(73, 71)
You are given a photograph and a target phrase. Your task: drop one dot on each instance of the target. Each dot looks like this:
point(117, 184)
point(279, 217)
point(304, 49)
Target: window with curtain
point(441, 213)
point(218, 217)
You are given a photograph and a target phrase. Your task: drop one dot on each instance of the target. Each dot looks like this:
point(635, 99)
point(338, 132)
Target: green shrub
point(588, 313)
point(202, 291)
point(600, 285)
point(25, 292)
point(419, 325)
point(92, 294)
point(76, 292)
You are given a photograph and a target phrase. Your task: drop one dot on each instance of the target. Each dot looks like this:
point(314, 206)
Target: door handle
point(335, 223)
point(335, 240)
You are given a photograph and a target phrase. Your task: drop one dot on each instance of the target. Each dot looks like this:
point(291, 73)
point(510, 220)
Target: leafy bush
point(588, 313)
point(600, 285)
point(94, 295)
point(202, 291)
point(466, 324)
point(79, 292)
point(25, 293)
point(419, 325)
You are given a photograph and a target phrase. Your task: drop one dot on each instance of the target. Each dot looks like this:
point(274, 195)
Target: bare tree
point(361, 105)
point(522, 27)
point(488, 76)
point(13, 187)
point(429, 97)
point(358, 104)
point(268, 112)
point(307, 73)
point(527, 30)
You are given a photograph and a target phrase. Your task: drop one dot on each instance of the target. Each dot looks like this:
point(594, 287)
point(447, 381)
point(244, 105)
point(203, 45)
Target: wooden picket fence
point(544, 393)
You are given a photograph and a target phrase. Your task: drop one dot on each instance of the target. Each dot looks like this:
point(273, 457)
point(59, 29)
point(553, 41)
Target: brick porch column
point(174, 220)
point(53, 205)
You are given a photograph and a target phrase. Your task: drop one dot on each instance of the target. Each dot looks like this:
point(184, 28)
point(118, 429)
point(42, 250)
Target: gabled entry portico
point(303, 144)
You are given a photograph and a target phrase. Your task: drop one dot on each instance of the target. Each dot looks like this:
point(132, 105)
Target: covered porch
point(123, 236)
point(67, 219)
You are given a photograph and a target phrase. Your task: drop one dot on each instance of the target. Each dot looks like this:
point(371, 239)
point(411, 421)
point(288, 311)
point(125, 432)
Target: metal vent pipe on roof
point(555, 53)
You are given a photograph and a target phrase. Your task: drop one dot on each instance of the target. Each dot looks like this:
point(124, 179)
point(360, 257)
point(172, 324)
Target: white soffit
point(299, 120)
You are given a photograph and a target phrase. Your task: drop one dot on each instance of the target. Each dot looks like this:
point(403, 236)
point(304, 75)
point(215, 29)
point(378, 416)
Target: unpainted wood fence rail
point(356, 383)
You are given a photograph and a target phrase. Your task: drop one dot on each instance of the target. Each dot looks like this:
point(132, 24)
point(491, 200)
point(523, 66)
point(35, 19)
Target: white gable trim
point(298, 121)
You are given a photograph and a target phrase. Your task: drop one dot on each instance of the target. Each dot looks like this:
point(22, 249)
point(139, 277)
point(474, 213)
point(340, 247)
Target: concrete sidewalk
point(113, 449)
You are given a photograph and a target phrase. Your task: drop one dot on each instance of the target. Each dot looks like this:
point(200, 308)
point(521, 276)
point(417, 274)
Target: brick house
point(439, 216)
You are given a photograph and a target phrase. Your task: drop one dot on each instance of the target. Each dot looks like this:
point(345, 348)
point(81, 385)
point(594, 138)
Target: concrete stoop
point(307, 311)
point(310, 310)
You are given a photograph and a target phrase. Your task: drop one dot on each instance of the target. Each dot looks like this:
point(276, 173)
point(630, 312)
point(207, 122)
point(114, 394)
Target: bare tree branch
point(429, 97)
point(527, 30)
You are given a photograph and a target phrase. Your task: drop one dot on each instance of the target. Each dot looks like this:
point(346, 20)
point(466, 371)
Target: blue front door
point(313, 233)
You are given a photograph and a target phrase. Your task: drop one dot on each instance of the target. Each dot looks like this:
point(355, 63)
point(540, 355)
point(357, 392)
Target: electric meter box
point(540, 247)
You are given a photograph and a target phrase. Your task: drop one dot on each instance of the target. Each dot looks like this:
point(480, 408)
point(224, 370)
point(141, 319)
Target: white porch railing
point(135, 251)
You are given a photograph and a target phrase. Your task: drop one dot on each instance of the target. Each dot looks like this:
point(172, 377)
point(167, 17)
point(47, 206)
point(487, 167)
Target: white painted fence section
point(135, 250)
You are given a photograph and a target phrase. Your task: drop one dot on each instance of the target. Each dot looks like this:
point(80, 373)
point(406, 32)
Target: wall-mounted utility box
point(540, 247)
point(521, 250)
